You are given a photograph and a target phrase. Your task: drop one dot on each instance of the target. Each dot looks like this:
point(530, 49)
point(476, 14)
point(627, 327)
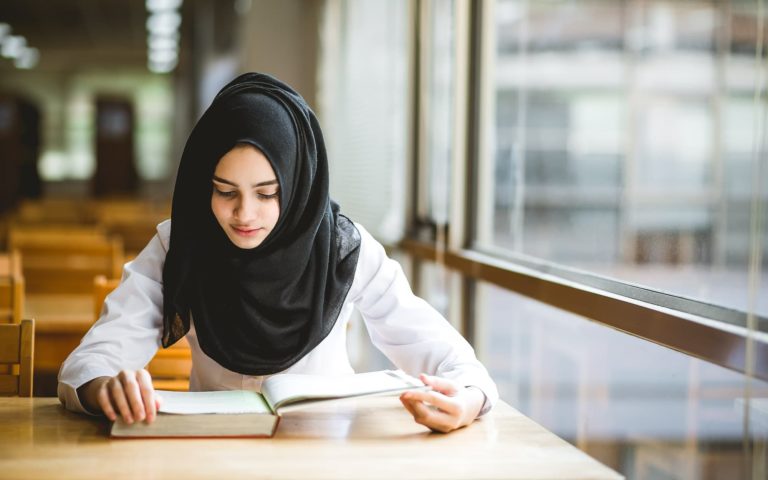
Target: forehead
point(244, 162)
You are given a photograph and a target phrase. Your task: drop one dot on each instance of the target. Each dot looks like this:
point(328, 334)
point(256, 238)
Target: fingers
point(102, 397)
point(432, 418)
point(442, 409)
point(118, 398)
point(133, 394)
point(129, 394)
point(442, 385)
point(147, 394)
point(437, 399)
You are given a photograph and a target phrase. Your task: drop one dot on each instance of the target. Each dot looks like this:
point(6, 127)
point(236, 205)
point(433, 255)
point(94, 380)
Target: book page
point(227, 401)
point(289, 388)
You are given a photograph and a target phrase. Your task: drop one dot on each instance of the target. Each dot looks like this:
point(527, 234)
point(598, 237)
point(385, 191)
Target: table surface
point(363, 438)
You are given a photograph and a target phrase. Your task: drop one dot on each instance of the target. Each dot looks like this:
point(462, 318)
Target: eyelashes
point(221, 193)
point(233, 194)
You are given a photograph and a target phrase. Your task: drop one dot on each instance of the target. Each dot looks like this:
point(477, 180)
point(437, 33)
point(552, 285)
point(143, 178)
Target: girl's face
point(245, 198)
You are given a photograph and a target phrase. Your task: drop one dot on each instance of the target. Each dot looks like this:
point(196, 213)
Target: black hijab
point(258, 311)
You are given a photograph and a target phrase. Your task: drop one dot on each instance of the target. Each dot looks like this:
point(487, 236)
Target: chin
point(245, 244)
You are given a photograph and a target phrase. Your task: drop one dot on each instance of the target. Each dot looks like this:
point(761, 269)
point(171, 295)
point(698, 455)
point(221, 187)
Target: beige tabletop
point(366, 438)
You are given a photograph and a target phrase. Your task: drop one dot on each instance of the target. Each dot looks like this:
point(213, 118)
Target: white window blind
point(363, 109)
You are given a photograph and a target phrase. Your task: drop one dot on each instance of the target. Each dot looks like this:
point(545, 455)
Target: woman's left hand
point(446, 407)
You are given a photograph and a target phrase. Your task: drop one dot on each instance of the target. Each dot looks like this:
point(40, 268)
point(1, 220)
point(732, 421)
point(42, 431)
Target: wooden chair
point(64, 260)
point(102, 286)
point(11, 288)
point(171, 366)
point(55, 210)
point(135, 221)
point(17, 348)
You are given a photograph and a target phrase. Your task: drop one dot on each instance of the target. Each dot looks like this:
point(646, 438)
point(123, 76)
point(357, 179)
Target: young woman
point(260, 271)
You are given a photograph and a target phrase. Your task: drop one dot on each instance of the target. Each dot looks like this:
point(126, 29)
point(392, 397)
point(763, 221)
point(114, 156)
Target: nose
point(246, 209)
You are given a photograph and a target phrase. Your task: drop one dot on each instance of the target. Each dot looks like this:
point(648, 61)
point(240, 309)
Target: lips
point(246, 231)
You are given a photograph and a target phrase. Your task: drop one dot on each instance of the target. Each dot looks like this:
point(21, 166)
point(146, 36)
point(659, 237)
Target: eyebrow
point(260, 184)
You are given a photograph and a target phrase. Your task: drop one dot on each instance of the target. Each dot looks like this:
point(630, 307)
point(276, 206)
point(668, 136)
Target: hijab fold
point(258, 311)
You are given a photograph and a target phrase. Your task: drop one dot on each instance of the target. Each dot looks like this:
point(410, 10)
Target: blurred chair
point(64, 259)
point(171, 366)
point(17, 348)
point(11, 288)
point(52, 211)
point(135, 221)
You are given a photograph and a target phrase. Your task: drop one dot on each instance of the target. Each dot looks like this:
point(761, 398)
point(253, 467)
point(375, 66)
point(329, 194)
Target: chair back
point(102, 286)
point(135, 221)
point(11, 288)
point(17, 349)
point(64, 260)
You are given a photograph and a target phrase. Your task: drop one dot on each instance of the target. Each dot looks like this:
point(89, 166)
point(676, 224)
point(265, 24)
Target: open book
point(244, 413)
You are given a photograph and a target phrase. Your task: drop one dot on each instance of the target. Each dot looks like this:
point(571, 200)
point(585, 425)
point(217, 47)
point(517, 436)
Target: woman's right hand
point(129, 394)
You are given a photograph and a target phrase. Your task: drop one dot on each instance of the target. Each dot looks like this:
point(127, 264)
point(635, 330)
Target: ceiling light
point(163, 56)
point(163, 34)
point(164, 23)
point(163, 42)
point(160, 5)
point(161, 67)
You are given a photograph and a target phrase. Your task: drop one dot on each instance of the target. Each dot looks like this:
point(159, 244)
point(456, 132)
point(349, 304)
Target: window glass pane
point(642, 409)
point(439, 132)
point(620, 141)
point(434, 286)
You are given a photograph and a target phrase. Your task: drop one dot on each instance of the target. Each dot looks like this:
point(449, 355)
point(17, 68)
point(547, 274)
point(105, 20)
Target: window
point(619, 141)
point(620, 152)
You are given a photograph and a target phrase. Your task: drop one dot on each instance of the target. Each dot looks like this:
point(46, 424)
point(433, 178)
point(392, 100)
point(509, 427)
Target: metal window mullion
point(478, 188)
point(460, 158)
point(423, 114)
point(414, 93)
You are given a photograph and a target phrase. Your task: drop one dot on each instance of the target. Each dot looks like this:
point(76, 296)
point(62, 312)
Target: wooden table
point(366, 438)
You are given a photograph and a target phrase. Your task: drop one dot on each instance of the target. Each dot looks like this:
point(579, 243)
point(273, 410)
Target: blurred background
point(604, 160)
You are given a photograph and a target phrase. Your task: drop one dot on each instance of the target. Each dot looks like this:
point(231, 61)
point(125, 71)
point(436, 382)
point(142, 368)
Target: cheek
point(274, 213)
point(219, 209)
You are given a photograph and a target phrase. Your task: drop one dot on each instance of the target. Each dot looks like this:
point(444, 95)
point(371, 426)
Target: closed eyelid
point(256, 185)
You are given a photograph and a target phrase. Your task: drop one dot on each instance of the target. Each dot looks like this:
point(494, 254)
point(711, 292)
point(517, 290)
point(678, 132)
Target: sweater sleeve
point(409, 331)
point(127, 334)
